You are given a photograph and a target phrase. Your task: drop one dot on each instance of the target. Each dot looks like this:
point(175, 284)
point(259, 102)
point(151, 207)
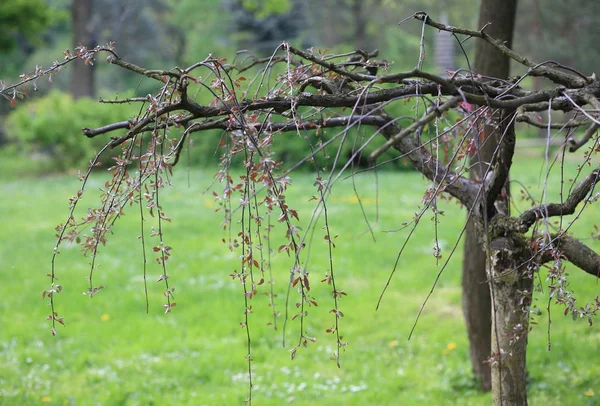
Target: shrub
point(51, 125)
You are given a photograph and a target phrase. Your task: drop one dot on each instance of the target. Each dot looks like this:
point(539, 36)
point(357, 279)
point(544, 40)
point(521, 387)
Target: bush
point(51, 126)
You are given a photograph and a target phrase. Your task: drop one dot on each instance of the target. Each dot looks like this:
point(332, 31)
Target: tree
point(311, 91)
point(22, 19)
point(82, 79)
point(477, 302)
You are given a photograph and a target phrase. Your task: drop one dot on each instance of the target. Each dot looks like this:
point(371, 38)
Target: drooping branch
point(580, 192)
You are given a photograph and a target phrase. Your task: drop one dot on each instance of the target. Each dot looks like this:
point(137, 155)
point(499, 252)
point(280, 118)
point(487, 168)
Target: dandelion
point(589, 393)
point(393, 343)
point(449, 347)
point(105, 317)
point(46, 399)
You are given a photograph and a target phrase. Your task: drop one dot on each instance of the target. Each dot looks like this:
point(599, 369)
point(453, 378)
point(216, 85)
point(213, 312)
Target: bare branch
point(463, 189)
point(125, 101)
point(91, 133)
point(555, 75)
point(591, 130)
point(576, 252)
point(526, 118)
point(434, 111)
point(589, 133)
point(583, 189)
point(160, 75)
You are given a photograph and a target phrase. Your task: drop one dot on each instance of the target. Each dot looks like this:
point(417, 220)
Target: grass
point(112, 352)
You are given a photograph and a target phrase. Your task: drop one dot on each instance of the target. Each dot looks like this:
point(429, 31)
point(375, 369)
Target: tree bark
point(511, 289)
point(477, 305)
point(82, 78)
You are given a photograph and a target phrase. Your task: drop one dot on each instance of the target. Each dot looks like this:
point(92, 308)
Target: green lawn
point(112, 352)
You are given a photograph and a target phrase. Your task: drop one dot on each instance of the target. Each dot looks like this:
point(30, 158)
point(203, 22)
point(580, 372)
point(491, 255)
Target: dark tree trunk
point(82, 78)
point(360, 24)
point(477, 305)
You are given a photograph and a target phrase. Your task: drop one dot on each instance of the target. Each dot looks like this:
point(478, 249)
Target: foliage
point(265, 8)
point(51, 126)
point(22, 17)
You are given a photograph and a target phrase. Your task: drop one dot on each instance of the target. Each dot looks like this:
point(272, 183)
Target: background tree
point(82, 79)
point(21, 22)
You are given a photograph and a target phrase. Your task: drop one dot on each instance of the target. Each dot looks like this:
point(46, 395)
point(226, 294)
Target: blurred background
point(168, 33)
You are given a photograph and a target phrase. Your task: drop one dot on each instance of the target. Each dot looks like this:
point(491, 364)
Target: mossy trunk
point(510, 288)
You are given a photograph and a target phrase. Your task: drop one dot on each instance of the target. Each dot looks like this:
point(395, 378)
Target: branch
point(463, 189)
point(576, 252)
point(554, 75)
point(83, 53)
point(272, 127)
point(330, 65)
point(589, 133)
point(503, 162)
point(224, 124)
point(270, 61)
point(584, 188)
point(91, 133)
point(434, 111)
point(592, 128)
point(159, 75)
point(525, 118)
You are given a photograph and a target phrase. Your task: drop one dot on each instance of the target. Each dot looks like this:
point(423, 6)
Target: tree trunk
point(511, 291)
point(477, 305)
point(360, 24)
point(82, 78)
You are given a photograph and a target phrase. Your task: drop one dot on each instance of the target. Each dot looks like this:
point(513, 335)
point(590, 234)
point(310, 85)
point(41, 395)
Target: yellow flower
point(393, 343)
point(449, 347)
point(105, 317)
point(589, 393)
point(46, 399)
